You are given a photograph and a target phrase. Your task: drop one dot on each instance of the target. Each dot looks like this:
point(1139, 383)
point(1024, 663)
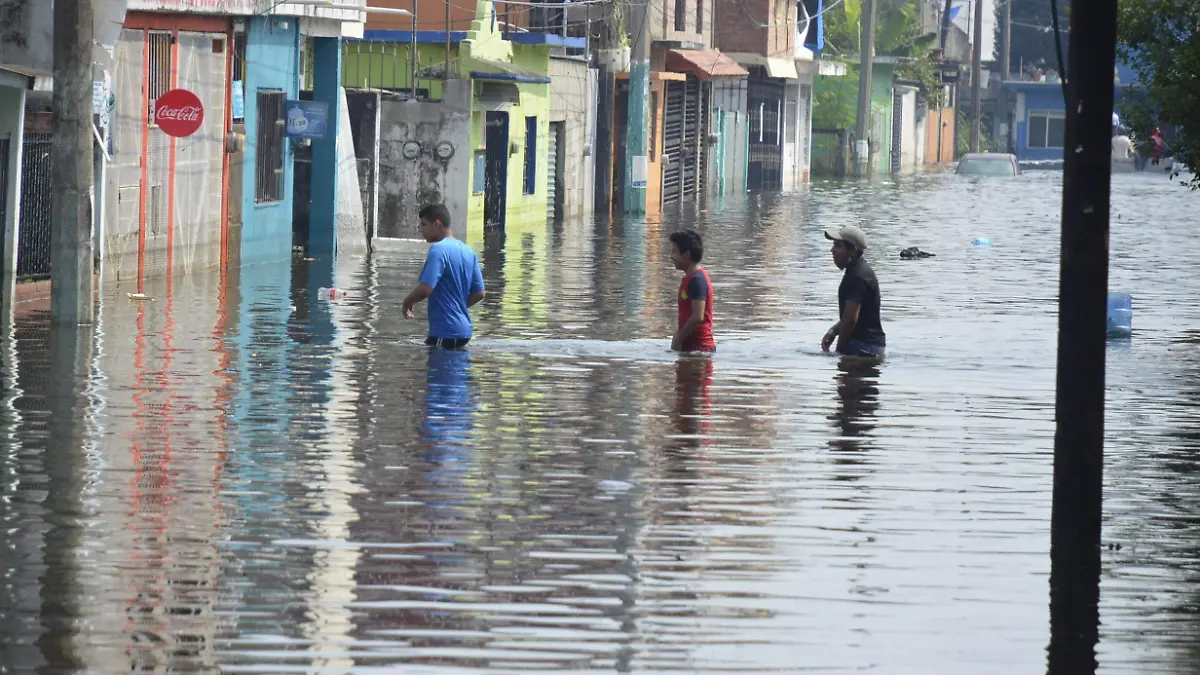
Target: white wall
point(12, 116)
point(572, 100)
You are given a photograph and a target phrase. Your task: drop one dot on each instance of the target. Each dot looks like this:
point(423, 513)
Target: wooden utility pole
point(977, 77)
point(862, 150)
point(71, 265)
point(1082, 317)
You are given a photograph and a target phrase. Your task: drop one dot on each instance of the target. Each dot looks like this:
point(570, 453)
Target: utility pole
point(977, 78)
point(71, 266)
point(1082, 312)
point(637, 128)
point(1006, 71)
point(862, 149)
point(605, 102)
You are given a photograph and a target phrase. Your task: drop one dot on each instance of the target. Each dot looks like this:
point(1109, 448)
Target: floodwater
point(235, 477)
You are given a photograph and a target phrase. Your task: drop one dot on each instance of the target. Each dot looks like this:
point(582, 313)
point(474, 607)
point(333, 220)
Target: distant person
point(1158, 146)
point(1122, 147)
point(451, 279)
point(858, 331)
point(695, 295)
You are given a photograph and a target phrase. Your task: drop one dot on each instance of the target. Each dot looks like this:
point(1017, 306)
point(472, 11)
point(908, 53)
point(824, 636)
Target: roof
point(487, 69)
point(706, 64)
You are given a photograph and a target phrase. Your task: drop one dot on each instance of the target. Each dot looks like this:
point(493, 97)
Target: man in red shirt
point(695, 295)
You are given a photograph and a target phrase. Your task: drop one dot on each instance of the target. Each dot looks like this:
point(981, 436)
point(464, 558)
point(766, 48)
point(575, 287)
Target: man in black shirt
point(858, 331)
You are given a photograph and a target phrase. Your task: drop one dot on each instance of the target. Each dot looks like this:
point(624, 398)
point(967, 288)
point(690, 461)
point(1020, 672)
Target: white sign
point(637, 173)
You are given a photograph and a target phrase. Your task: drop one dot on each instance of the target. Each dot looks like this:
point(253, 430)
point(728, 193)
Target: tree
point(1161, 40)
point(897, 29)
point(1033, 33)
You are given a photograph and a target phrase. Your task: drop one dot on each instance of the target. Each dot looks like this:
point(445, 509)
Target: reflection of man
point(858, 331)
point(451, 279)
point(449, 406)
point(693, 403)
point(858, 395)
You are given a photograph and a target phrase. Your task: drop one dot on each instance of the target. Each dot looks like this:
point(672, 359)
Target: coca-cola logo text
point(187, 113)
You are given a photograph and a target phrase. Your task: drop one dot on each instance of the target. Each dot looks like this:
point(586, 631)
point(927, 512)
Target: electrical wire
point(1058, 52)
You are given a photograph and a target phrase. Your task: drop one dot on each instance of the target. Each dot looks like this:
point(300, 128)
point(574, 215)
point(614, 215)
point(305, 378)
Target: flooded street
point(236, 477)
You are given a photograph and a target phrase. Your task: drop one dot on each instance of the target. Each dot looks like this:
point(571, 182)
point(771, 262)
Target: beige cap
point(851, 235)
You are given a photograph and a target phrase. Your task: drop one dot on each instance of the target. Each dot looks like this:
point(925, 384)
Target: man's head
point(435, 222)
point(848, 245)
point(687, 248)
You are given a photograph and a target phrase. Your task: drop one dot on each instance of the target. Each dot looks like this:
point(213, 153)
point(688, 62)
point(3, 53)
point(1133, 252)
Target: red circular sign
point(178, 113)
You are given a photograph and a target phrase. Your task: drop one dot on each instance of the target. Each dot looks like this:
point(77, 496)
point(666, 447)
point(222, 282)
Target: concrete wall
point(742, 31)
point(909, 124)
point(405, 185)
point(12, 115)
point(572, 96)
point(27, 34)
point(664, 29)
point(272, 64)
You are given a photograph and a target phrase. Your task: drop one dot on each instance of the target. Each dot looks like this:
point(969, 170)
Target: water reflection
point(238, 476)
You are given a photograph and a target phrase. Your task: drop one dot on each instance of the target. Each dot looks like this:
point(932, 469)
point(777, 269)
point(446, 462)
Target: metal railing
point(37, 200)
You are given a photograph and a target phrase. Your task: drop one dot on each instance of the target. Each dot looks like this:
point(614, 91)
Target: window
point(681, 15)
point(269, 154)
point(530, 155)
point(1047, 129)
point(239, 77)
point(480, 178)
point(699, 16)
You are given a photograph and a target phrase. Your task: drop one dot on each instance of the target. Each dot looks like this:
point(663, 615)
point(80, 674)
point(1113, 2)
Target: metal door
point(495, 186)
point(693, 122)
point(554, 193)
point(764, 97)
point(673, 141)
point(5, 144)
point(156, 184)
point(897, 128)
point(37, 202)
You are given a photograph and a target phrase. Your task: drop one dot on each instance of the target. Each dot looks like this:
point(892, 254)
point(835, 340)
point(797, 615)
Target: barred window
point(270, 153)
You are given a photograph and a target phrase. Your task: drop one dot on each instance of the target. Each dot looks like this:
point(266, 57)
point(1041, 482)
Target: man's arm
point(847, 324)
point(830, 336)
point(418, 294)
point(474, 298)
point(685, 331)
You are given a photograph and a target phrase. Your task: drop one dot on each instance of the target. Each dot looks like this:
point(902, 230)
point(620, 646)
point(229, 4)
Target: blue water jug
point(1120, 315)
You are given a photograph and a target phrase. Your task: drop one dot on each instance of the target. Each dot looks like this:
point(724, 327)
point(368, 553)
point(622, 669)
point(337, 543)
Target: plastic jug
point(1120, 315)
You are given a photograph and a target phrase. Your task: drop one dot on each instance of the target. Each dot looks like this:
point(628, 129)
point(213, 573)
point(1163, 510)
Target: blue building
point(1038, 113)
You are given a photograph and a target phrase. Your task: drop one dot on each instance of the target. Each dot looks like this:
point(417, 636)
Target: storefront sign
point(202, 6)
point(179, 113)
point(307, 119)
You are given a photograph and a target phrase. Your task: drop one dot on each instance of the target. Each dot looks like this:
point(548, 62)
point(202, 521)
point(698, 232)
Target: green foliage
point(897, 29)
point(1161, 39)
point(835, 101)
point(924, 71)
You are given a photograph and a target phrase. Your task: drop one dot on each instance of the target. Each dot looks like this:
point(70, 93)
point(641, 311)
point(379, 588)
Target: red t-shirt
point(695, 286)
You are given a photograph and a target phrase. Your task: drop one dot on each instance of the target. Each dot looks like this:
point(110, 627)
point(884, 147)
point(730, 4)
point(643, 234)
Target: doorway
point(495, 182)
point(620, 129)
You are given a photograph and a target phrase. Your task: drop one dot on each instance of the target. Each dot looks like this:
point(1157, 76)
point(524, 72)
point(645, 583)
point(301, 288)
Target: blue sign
point(307, 119)
point(239, 101)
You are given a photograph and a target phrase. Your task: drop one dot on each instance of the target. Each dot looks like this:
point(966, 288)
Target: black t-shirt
point(860, 285)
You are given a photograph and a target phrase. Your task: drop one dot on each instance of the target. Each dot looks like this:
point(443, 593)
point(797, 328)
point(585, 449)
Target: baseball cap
point(851, 235)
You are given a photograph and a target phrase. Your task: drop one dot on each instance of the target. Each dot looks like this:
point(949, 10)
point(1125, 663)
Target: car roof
point(988, 155)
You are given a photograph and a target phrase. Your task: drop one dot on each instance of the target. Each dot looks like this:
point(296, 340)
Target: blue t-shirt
point(452, 270)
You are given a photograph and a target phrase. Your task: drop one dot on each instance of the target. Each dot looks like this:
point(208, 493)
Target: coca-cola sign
point(178, 113)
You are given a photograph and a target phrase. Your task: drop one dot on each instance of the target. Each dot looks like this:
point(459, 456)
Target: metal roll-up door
point(673, 141)
point(552, 174)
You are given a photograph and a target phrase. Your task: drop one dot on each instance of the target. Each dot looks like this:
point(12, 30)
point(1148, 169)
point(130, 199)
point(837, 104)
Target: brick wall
point(764, 27)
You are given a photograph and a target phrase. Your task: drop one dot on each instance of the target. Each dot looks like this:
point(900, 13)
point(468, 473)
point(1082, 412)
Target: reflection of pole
point(866, 64)
point(71, 156)
point(1082, 311)
point(977, 78)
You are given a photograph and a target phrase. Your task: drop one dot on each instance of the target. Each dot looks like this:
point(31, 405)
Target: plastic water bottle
point(332, 294)
point(981, 241)
point(1120, 315)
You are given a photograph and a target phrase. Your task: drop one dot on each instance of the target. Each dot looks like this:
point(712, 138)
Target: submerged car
point(988, 164)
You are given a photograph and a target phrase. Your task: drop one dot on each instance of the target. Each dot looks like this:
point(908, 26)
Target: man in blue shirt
point(451, 279)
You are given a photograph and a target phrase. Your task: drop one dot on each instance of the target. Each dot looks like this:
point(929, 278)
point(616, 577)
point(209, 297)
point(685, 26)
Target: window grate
point(269, 168)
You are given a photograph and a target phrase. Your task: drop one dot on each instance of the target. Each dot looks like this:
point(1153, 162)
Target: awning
point(497, 96)
point(782, 68)
point(486, 69)
point(706, 64)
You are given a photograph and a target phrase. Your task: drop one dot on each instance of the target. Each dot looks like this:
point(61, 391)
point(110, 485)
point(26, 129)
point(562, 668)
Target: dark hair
point(689, 241)
point(432, 212)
